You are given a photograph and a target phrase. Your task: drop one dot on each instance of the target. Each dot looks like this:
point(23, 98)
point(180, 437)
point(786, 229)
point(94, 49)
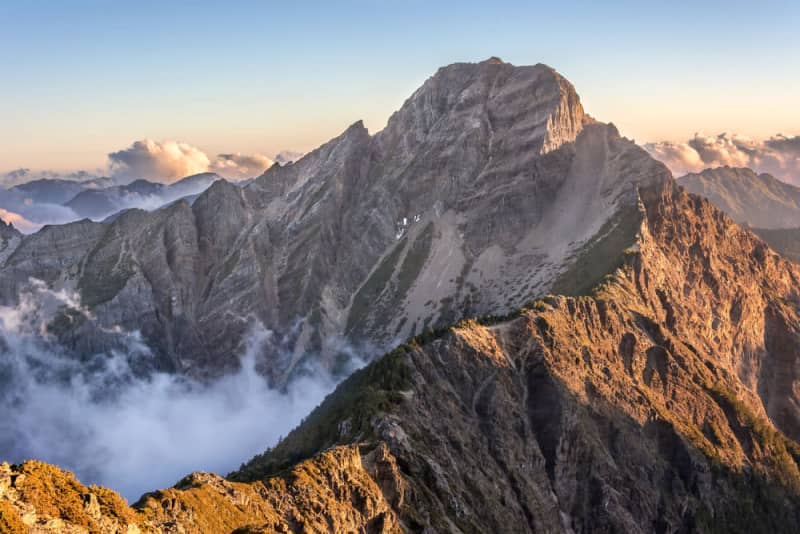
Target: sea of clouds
point(779, 155)
point(133, 433)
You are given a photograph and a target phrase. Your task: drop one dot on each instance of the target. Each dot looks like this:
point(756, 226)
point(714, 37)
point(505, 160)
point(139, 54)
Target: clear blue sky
point(81, 78)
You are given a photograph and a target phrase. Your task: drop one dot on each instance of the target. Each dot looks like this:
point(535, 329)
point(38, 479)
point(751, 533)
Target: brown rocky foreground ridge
point(653, 390)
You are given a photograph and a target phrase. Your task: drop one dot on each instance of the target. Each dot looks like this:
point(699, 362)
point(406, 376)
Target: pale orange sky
point(80, 82)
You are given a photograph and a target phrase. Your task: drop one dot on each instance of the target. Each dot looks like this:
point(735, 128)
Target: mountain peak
point(529, 109)
point(356, 128)
point(9, 239)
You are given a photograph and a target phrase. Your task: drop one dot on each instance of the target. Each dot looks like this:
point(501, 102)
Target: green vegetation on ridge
point(602, 255)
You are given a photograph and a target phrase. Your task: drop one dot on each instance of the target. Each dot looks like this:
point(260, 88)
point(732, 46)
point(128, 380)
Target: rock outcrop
point(341, 490)
point(10, 238)
point(42, 499)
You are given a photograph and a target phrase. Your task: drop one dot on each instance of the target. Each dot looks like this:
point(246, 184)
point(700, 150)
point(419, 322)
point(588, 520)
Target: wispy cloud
point(168, 161)
point(29, 207)
point(20, 223)
point(161, 161)
point(240, 166)
point(778, 155)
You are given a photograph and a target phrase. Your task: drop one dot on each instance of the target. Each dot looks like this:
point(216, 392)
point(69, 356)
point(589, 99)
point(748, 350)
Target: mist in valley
point(133, 433)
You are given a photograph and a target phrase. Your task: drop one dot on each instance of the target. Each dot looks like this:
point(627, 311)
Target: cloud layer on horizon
point(24, 175)
point(169, 161)
point(240, 166)
point(159, 161)
point(28, 216)
point(156, 161)
point(778, 155)
point(166, 161)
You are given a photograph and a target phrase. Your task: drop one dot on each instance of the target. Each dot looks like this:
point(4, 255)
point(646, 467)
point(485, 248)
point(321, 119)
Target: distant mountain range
point(55, 201)
point(55, 191)
point(98, 204)
point(768, 206)
point(757, 200)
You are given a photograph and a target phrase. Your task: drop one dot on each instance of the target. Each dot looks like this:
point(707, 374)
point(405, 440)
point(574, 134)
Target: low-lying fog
point(132, 434)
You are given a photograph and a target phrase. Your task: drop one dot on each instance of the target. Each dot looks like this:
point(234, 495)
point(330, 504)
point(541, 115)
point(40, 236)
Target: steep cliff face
point(663, 401)
point(483, 187)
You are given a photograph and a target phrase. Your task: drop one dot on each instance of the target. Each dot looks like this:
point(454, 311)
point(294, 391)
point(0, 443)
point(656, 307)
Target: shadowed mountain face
point(484, 187)
point(660, 403)
point(757, 200)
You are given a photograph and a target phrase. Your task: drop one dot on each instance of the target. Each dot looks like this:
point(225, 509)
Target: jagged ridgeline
point(634, 368)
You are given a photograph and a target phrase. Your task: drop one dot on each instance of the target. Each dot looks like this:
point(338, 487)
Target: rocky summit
point(588, 347)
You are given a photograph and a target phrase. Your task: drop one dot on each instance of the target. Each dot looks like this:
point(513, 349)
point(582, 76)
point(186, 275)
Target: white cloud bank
point(166, 161)
point(128, 432)
point(240, 166)
point(169, 161)
point(778, 155)
point(31, 206)
point(159, 161)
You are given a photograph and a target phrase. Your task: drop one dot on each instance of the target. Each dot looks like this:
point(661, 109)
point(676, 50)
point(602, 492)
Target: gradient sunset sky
point(83, 78)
